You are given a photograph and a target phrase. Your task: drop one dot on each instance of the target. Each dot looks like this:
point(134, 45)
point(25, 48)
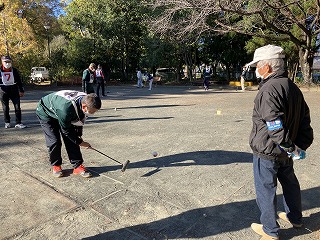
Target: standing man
point(11, 88)
point(243, 77)
point(281, 126)
point(88, 79)
point(139, 76)
point(206, 77)
point(64, 113)
point(150, 79)
point(100, 80)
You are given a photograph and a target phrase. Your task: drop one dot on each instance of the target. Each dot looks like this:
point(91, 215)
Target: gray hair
point(276, 64)
point(92, 101)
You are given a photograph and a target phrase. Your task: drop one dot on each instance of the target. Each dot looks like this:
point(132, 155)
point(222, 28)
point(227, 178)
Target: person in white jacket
point(139, 76)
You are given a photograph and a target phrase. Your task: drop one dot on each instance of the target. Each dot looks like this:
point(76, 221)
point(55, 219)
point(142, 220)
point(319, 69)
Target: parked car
point(166, 74)
point(39, 74)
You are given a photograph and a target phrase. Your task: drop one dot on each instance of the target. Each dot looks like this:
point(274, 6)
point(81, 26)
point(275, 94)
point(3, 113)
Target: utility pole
point(47, 27)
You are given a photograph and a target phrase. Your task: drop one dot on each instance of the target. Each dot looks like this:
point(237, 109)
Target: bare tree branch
point(197, 17)
point(294, 20)
point(315, 23)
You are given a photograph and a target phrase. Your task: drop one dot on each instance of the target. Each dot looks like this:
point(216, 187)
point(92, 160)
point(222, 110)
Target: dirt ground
point(200, 186)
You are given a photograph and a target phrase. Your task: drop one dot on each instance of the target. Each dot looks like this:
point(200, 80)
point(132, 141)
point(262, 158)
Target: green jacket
point(64, 106)
point(88, 80)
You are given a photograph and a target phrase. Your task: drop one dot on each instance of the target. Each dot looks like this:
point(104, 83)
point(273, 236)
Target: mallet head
point(125, 165)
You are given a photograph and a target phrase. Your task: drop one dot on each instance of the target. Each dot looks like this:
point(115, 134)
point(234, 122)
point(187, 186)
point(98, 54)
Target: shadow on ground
point(217, 157)
point(211, 221)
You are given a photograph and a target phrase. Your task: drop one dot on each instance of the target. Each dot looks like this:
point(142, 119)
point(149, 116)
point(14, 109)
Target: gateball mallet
point(124, 165)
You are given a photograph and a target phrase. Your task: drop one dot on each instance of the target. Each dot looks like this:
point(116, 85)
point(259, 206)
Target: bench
point(238, 84)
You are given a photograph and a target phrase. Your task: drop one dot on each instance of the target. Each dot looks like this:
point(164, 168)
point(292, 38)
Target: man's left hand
point(21, 94)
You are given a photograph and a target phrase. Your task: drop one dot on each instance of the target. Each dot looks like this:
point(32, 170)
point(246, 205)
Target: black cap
point(6, 58)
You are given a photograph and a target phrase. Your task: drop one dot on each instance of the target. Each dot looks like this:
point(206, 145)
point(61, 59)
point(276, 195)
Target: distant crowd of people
point(144, 77)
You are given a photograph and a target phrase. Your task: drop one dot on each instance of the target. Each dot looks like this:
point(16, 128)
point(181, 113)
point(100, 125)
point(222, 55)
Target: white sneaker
point(7, 125)
point(20, 125)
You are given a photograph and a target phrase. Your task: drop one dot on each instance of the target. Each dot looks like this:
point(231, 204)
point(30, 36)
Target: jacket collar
point(281, 74)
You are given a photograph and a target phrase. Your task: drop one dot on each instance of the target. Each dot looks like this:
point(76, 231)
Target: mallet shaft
point(106, 155)
point(124, 165)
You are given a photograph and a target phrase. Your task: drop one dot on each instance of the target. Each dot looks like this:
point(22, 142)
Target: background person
point(150, 79)
point(100, 80)
point(64, 113)
point(88, 79)
point(243, 77)
point(139, 77)
point(11, 88)
point(206, 77)
point(281, 125)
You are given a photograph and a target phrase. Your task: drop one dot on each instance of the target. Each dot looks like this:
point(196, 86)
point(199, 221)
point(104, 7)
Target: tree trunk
point(293, 75)
point(124, 69)
point(125, 60)
point(228, 72)
point(306, 61)
point(178, 75)
point(188, 61)
point(214, 69)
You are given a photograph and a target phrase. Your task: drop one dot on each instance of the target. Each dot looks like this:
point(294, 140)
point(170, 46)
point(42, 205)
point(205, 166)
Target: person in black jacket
point(207, 72)
point(281, 127)
point(11, 88)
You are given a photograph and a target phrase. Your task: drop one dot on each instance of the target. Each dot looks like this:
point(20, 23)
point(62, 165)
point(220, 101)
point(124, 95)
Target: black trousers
point(87, 87)
point(206, 83)
point(100, 84)
point(52, 134)
point(13, 95)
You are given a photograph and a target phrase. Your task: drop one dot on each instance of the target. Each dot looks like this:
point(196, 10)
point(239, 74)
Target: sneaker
point(283, 216)
point(20, 125)
point(57, 171)
point(7, 125)
point(258, 228)
point(82, 171)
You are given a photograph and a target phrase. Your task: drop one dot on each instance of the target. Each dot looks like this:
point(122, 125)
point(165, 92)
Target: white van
point(39, 74)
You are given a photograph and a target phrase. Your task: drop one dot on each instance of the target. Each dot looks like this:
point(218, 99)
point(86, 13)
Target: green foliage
point(228, 49)
point(24, 37)
point(25, 62)
point(105, 32)
point(158, 53)
point(60, 67)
